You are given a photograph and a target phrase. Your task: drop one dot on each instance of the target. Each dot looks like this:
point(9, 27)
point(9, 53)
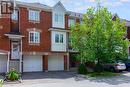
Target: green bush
point(82, 69)
point(13, 75)
point(98, 68)
point(1, 83)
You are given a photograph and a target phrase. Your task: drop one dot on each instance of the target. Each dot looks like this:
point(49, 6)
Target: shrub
point(98, 68)
point(13, 75)
point(82, 69)
point(1, 83)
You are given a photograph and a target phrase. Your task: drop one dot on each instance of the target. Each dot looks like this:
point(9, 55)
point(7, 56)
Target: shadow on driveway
point(124, 78)
point(48, 75)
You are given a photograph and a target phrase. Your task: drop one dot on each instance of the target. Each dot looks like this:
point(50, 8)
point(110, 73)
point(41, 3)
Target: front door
point(15, 50)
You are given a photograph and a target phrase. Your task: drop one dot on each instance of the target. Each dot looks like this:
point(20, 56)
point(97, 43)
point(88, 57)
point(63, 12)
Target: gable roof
point(115, 16)
point(60, 4)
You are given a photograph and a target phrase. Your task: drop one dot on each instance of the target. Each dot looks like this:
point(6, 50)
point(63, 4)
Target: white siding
point(58, 46)
point(58, 10)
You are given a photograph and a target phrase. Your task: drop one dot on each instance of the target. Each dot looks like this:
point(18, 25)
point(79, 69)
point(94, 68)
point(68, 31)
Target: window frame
point(33, 15)
point(35, 37)
point(15, 13)
point(70, 22)
point(58, 17)
point(60, 38)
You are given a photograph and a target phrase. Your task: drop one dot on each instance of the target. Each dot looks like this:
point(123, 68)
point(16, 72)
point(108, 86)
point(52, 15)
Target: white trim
point(61, 30)
point(33, 15)
point(20, 67)
point(14, 36)
point(60, 38)
point(34, 39)
point(3, 53)
point(70, 22)
point(34, 29)
point(17, 43)
point(14, 15)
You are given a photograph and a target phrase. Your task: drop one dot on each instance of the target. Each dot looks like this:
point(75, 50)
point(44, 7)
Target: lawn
point(103, 74)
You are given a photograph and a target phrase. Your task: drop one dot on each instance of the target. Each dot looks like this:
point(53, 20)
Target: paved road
point(119, 81)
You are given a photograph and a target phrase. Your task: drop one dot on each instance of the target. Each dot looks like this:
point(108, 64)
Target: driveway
point(67, 79)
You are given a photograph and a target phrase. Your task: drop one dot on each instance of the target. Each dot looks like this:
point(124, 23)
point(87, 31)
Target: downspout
point(20, 43)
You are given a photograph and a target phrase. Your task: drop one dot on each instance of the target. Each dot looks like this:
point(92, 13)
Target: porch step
point(14, 64)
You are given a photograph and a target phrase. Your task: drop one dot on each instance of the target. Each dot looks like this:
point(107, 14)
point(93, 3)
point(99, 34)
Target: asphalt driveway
point(69, 79)
point(48, 75)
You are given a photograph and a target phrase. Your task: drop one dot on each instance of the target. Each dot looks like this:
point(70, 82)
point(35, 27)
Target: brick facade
point(18, 31)
point(44, 24)
point(4, 28)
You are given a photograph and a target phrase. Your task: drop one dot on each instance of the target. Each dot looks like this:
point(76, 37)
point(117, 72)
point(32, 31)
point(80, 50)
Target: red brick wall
point(77, 20)
point(44, 25)
point(66, 21)
point(5, 28)
point(45, 62)
point(65, 62)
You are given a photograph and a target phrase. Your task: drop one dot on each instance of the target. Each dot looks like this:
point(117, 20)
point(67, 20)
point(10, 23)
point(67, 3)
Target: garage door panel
point(3, 64)
point(55, 63)
point(32, 63)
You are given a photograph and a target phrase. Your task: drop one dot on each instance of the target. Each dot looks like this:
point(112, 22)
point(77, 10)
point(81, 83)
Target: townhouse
point(35, 37)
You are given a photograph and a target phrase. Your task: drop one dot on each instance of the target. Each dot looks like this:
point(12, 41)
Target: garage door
point(3, 63)
point(55, 63)
point(32, 63)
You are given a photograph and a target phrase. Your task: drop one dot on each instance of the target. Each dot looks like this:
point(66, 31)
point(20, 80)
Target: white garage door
point(32, 63)
point(55, 63)
point(3, 63)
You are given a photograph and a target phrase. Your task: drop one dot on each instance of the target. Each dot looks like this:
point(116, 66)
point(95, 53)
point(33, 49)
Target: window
point(71, 22)
point(81, 21)
point(59, 38)
point(34, 15)
point(14, 16)
point(59, 17)
point(56, 17)
point(34, 37)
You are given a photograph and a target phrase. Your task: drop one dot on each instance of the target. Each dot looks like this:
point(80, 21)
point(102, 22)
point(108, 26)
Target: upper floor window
point(71, 22)
point(59, 38)
point(34, 15)
point(59, 17)
point(34, 37)
point(14, 16)
point(81, 21)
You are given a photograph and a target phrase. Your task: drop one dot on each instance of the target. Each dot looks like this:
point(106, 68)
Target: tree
point(99, 38)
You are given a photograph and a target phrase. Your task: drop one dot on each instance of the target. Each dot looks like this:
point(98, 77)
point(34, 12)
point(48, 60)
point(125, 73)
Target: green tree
point(99, 38)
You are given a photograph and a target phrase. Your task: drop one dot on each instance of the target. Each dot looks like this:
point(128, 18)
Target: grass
point(102, 74)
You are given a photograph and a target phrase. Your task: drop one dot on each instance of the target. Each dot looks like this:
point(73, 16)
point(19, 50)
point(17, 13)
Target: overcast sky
point(121, 7)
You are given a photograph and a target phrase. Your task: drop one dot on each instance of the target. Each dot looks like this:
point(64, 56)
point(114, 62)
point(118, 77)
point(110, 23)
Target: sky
point(121, 7)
